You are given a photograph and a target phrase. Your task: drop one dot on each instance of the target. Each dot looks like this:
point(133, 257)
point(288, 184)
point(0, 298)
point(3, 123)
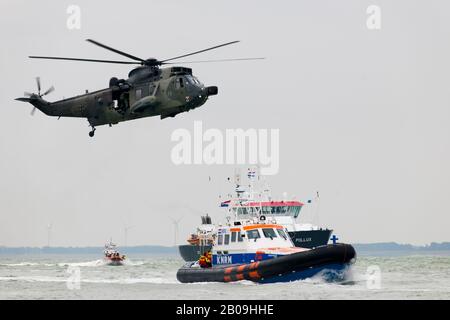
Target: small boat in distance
point(112, 255)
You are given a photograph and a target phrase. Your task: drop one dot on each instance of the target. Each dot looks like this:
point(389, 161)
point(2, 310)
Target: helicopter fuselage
point(147, 92)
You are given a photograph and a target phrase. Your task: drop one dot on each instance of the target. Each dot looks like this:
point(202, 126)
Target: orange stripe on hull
point(240, 276)
point(228, 270)
point(254, 275)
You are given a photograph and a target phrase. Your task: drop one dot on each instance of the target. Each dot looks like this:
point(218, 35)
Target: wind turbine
point(175, 224)
point(125, 229)
point(49, 231)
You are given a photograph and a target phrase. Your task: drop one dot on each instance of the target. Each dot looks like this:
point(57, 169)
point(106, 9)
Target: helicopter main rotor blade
point(38, 82)
point(220, 60)
point(86, 60)
point(115, 50)
point(207, 49)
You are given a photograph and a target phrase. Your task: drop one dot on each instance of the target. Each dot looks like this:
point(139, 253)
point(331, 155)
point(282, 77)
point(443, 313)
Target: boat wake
point(20, 264)
point(150, 280)
point(129, 262)
point(93, 263)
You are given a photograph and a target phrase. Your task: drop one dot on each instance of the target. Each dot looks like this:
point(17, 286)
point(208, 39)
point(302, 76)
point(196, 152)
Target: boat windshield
point(269, 233)
point(282, 234)
point(253, 234)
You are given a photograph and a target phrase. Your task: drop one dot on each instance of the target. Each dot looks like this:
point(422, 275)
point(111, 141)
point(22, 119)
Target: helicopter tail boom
point(38, 103)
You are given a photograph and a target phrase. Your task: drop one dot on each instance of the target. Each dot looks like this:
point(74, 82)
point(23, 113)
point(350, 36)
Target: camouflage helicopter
point(148, 91)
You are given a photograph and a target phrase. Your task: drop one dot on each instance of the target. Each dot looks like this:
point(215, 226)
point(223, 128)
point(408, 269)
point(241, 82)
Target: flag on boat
point(225, 203)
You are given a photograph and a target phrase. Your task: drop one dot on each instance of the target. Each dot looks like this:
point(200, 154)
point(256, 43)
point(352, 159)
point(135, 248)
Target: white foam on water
point(153, 280)
point(401, 278)
point(93, 263)
point(32, 279)
point(20, 264)
point(128, 262)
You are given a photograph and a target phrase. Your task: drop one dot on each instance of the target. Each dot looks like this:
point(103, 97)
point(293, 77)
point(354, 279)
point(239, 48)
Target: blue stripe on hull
point(329, 272)
point(240, 258)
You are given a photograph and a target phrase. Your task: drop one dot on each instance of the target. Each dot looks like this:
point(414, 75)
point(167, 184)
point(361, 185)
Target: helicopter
point(150, 90)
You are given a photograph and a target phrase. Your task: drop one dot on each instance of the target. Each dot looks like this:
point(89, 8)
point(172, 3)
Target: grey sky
point(363, 117)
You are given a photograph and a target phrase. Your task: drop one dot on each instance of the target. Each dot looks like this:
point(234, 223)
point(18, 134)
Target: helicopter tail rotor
point(30, 97)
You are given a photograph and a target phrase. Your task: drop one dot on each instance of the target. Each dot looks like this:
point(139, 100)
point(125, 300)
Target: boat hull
point(304, 239)
point(110, 262)
point(331, 260)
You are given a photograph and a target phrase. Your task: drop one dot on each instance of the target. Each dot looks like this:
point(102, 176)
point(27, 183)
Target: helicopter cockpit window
point(192, 79)
point(181, 82)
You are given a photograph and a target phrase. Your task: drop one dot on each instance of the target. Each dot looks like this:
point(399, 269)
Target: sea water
point(154, 277)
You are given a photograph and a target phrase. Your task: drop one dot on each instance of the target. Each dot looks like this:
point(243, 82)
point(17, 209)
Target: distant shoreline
point(361, 248)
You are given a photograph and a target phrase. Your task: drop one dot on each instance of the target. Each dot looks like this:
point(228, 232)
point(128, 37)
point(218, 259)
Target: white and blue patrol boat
point(251, 199)
point(261, 250)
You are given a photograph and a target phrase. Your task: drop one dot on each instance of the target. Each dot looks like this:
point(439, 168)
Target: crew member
point(208, 259)
point(202, 261)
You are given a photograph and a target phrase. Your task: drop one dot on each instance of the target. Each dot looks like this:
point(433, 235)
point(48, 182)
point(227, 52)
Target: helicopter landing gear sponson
point(92, 132)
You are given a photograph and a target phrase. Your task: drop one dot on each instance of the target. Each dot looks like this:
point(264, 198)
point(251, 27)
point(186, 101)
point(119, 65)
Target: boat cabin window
point(220, 240)
point(268, 210)
point(233, 236)
point(227, 239)
point(240, 237)
point(269, 233)
point(282, 234)
point(295, 210)
point(253, 234)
